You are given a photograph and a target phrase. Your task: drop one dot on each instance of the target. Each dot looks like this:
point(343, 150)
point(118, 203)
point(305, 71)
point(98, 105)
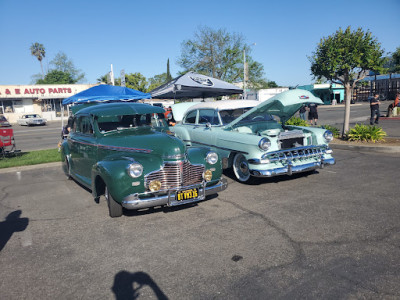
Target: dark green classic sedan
point(126, 152)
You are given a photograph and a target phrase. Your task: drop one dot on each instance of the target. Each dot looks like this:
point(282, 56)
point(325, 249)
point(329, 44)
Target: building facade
point(46, 100)
point(328, 93)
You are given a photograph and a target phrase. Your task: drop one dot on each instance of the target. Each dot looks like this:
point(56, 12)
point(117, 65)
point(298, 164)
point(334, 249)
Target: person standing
point(312, 113)
point(302, 112)
point(375, 113)
point(393, 105)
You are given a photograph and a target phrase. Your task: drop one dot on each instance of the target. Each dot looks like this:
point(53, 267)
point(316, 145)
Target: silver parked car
point(253, 137)
point(31, 119)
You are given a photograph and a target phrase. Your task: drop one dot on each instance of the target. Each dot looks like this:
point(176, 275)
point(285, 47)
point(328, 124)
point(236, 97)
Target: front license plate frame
point(186, 195)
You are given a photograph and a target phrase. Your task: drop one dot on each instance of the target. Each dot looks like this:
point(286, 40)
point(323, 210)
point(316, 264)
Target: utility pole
point(244, 74)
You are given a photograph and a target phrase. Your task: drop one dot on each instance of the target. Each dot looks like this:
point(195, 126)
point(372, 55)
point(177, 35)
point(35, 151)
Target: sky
point(140, 36)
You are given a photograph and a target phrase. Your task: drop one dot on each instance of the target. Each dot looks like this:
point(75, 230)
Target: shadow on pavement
point(13, 223)
point(127, 285)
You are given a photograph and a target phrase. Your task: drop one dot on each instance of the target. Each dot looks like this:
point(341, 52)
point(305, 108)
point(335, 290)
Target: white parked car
point(31, 119)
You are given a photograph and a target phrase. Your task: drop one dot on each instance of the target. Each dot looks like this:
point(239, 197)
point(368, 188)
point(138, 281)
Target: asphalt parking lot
point(331, 234)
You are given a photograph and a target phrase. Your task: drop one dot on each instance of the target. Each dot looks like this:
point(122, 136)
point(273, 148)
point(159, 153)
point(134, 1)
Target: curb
point(30, 167)
point(378, 149)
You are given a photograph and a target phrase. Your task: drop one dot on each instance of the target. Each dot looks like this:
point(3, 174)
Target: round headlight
point(212, 158)
point(264, 144)
point(135, 170)
point(328, 136)
point(155, 186)
point(207, 175)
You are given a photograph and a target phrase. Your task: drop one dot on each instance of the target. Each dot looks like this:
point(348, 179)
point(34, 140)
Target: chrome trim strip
point(134, 202)
point(114, 148)
point(214, 146)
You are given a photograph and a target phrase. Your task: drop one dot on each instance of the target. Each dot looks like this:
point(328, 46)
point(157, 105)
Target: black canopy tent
point(193, 85)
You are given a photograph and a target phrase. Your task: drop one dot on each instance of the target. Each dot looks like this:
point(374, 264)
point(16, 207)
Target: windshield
point(32, 116)
point(229, 115)
point(110, 123)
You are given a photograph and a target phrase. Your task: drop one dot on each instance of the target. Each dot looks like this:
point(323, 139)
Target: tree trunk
point(41, 66)
point(348, 94)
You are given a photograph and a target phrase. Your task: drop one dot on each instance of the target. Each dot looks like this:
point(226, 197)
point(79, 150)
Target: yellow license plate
point(187, 194)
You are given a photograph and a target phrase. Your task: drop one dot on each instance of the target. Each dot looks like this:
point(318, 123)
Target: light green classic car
point(124, 151)
point(252, 137)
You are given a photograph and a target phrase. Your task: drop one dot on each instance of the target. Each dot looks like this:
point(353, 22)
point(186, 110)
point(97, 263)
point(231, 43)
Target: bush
point(366, 133)
point(296, 121)
point(333, 129)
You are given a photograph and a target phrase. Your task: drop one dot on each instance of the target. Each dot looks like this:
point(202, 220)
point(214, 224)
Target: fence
point(386, 88)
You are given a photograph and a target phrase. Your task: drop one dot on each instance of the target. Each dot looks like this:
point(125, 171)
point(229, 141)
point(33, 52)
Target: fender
point(182, 133)
point(112, 172)
point(197, 155)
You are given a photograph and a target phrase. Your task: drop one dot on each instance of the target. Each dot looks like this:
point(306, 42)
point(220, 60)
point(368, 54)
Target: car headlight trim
point(328, 136)
point(212, 158)
point(135, 170)
point(264, 144)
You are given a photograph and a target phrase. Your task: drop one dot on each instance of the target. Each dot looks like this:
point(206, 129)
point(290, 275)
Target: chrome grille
point(176, 175)
point(296, 153)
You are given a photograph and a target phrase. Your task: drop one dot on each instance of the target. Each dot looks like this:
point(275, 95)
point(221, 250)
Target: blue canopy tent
point(103, 93)
point(106, 93)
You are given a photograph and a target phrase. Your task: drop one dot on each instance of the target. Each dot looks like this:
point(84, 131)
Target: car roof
point(225, 104)
point(120, 108)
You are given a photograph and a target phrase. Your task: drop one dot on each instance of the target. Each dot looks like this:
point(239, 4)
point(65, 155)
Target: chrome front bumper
point(135, 202)
point(290, 169)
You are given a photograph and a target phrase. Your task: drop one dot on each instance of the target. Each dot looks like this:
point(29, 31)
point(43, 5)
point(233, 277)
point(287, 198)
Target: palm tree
point(38, 51)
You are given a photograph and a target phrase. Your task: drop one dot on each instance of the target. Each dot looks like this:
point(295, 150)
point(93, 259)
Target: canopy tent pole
point(62, 116)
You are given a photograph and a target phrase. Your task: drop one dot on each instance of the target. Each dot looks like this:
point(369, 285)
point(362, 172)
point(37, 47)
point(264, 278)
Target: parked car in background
point(4, 122)
point(253, 136)
point(126, 152)
point(31, 119)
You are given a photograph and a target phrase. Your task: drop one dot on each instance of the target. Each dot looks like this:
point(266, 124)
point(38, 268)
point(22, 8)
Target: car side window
point(86, 126)
point(208, 116)
point(191, 117)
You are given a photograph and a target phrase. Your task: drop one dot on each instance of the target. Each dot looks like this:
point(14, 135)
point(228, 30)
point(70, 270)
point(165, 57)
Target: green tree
point(344, 58)
point(157, 80)
point(102, 79)
point(56, 76)
point(169, 77)
point(62, 63)
point(219, 54)
point(396, 59)
point(136, 81)
point(392, 63)
point(39, 52)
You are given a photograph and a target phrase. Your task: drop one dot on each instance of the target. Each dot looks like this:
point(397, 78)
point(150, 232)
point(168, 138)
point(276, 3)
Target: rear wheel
point(241, 168)
point(114, 208)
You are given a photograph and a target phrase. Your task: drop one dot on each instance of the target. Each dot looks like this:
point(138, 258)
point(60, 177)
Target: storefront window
point(54, 105)
point(6, 106)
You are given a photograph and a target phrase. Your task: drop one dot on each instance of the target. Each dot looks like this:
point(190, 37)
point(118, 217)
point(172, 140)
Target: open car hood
point(283, 105)
point(179, 109)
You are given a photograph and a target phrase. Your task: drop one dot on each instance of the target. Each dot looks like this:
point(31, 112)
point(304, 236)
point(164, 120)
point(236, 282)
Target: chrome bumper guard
point(134, 202)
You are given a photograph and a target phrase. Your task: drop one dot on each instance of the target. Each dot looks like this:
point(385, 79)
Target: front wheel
point(114, 208)
point(241, 168)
